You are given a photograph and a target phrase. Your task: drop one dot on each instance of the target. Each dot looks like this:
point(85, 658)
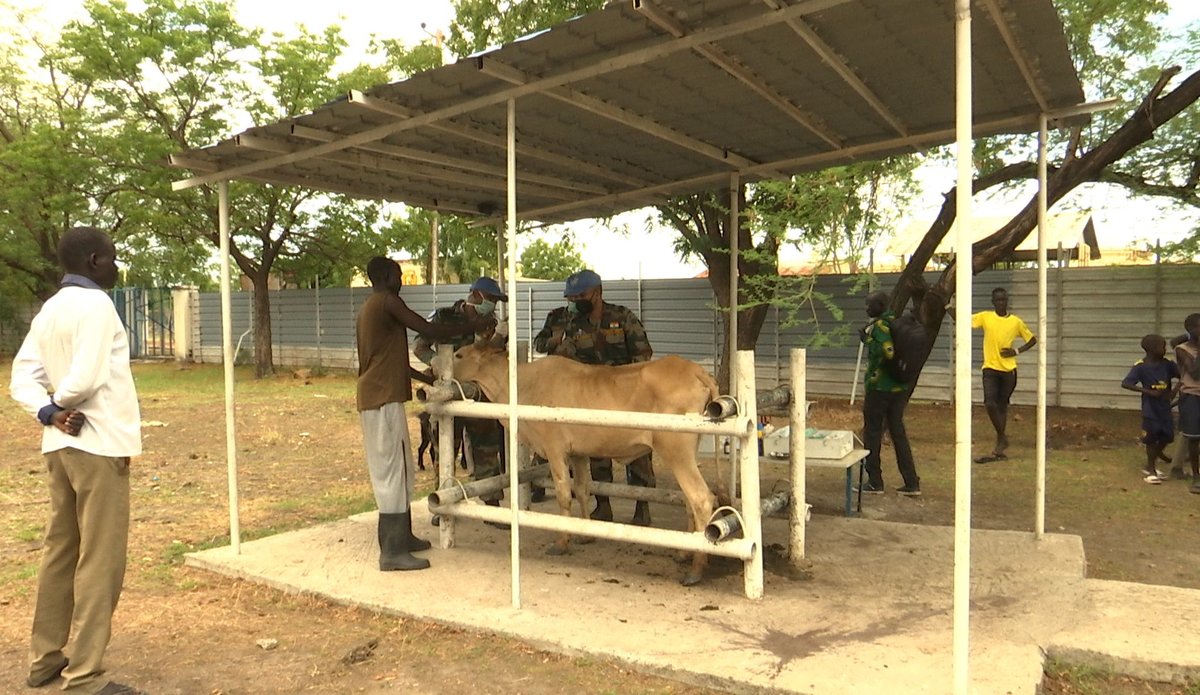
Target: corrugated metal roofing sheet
point(1071, 229)
point(625, 106)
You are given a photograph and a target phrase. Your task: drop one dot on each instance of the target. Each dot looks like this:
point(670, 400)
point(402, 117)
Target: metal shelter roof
point(645, 99)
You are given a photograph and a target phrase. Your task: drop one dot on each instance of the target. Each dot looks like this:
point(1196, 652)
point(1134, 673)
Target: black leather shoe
point(120, 689)
point(46, 678)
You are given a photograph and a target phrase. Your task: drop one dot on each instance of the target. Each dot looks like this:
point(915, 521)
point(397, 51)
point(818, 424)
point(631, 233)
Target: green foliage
point(464, 252)
point(546, 261)
point(840, 212)
point(482, 24)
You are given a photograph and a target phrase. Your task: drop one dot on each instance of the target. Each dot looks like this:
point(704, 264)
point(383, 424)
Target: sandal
point(991, 458)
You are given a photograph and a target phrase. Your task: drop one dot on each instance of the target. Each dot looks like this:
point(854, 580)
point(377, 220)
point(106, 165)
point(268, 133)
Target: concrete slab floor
point(871, 614)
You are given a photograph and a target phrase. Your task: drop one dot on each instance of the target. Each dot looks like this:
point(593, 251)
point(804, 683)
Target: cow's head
point(484, 362)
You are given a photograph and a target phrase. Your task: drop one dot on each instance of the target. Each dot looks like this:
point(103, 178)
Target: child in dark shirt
point(1157, 379)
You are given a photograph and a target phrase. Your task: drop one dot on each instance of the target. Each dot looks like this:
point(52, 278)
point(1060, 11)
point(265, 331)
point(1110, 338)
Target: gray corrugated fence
point(1096, 317)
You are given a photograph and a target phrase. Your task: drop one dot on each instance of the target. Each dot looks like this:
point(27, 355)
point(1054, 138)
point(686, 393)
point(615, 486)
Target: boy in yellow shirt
point(1000, 331)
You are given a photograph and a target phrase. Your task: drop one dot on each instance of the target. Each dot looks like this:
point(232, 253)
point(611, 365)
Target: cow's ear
point(496, 344)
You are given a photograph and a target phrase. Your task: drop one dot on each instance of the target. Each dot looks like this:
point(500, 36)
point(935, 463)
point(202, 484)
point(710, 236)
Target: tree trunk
point(930, 302)
point(703, 221)
point(264, 356)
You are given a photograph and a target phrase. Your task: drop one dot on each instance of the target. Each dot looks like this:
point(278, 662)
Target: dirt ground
point(180, 630)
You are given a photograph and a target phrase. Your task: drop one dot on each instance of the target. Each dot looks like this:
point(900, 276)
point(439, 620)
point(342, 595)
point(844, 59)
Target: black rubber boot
point(495, 524)
point(602, 473)
point(641, 514)
point(393, 544)
point(412, 542)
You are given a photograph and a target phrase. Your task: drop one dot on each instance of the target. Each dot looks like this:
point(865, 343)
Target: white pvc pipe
point(1039, 525)
point(691, 541)
point(656, 495)
point(513, 358)
point(798, 425)
point(739, 426)
point(962, 345)
point(748, 460)
point(227, 357)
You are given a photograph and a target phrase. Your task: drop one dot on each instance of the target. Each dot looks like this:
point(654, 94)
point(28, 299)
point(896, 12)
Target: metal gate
point(149, 318)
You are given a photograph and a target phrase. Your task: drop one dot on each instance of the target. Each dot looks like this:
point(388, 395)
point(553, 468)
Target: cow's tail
point(709, 383)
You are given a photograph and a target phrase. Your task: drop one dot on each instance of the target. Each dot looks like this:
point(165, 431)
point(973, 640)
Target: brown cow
point(670, 385)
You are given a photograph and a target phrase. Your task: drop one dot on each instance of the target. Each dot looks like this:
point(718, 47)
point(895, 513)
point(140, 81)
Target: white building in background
point(1071, 239)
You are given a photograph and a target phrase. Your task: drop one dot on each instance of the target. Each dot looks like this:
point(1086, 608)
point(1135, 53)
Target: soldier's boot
point(641, 474)
point(602, 472)
point(393, 544)
point(641, 514)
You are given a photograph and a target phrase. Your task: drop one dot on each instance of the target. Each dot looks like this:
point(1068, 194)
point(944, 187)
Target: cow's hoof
point(691, 579)
point(556, 550)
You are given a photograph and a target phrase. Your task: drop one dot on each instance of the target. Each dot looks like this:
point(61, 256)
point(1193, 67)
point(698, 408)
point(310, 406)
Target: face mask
point(485, 307)
point(580, 306)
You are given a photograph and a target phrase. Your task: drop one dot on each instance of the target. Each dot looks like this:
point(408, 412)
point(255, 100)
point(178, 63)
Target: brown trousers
point(83, 566)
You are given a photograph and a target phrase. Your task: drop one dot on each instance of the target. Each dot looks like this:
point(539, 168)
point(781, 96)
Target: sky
point(627, 247)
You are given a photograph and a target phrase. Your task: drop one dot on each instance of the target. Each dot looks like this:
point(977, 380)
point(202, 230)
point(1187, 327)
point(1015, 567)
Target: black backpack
point(911, 343)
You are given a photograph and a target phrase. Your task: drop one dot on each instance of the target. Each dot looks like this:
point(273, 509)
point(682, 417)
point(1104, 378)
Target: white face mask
point(485, 307)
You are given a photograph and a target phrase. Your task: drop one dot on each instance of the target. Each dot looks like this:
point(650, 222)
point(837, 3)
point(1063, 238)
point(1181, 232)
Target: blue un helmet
point(580, 282)
point(487, 285)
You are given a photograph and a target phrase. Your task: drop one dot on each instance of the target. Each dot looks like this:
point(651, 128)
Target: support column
point(1039, 524)
point(748, 458)
point(963, 268)
point(797, 427)
point(235, 534)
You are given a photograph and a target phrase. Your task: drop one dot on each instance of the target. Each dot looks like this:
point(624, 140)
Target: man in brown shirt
point(384, 385)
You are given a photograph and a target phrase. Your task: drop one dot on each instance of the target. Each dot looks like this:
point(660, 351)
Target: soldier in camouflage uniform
point(592, 331)
point(484, 437)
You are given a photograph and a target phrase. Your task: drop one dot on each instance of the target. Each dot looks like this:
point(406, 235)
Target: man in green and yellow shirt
point(885, 400)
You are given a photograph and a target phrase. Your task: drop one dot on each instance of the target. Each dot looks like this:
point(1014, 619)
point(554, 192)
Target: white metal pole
point(962, 340)
point(748, 458)
point(446, 448)
point(1039, 529)
point(857, 371)
point(513, 484)
point(734, 253)
point(797, 425)
point(433, 255)
point(227, 357)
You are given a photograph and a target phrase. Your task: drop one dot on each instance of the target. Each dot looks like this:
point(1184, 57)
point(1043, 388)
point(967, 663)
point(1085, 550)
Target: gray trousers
point(389, 456)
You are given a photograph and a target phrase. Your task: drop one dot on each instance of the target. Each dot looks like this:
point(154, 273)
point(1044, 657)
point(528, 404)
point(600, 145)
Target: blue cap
point(580, 282)
point(487, 285)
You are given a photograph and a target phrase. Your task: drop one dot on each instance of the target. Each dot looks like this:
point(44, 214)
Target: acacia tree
point(49, 178)
point(1148, 147)
point(178, 75)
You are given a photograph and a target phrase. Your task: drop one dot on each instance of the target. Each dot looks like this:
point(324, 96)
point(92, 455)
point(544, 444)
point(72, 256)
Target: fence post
point(1059, 328)
point(181, 333)
point(317, 285)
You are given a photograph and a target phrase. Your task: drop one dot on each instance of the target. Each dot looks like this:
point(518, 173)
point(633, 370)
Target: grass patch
point(30, 533)
point(1063, 678)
